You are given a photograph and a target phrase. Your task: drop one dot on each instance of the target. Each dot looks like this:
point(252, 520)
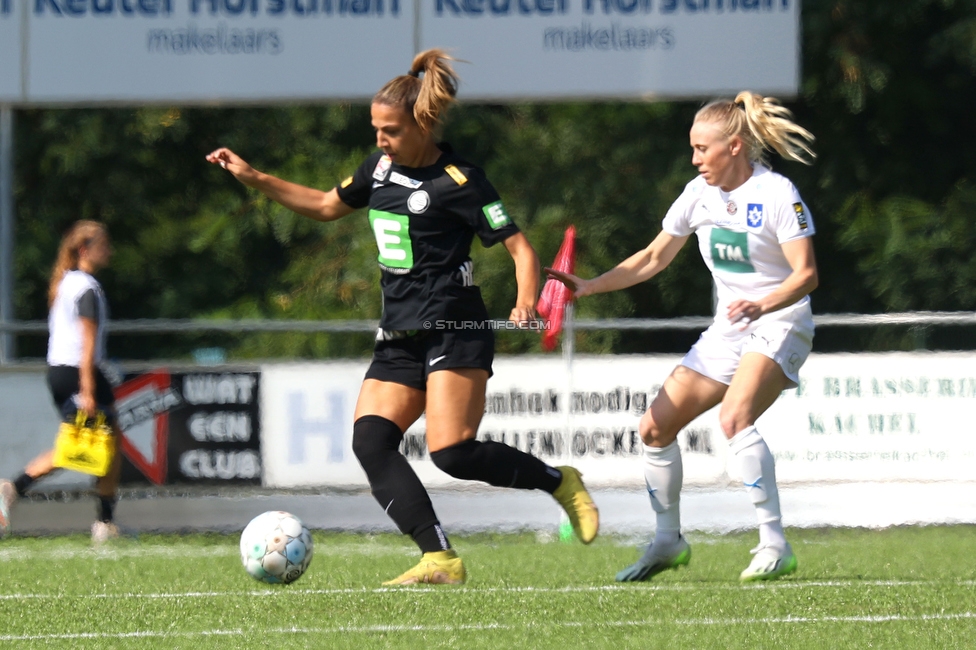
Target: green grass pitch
point(894, 588)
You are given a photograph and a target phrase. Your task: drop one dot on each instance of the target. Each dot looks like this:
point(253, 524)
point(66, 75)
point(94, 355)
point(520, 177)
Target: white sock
point(758, 470)
point(663, 474)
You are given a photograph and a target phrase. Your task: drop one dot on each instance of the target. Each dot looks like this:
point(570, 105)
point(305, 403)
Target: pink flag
point(555, 294)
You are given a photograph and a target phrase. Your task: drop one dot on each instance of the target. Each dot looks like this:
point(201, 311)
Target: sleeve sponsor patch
point(346, 183)
point(496, 215)
point(801, 216)
point(382, 166)
point(456, 174)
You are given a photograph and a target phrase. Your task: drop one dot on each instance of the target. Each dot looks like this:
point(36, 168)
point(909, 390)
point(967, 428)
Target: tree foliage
point(887, 88)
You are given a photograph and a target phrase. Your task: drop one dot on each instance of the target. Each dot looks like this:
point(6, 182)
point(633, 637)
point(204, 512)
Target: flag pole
point(569, 343)
point(569, 340)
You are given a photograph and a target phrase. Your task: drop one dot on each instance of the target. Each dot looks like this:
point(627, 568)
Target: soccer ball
point(276, 547)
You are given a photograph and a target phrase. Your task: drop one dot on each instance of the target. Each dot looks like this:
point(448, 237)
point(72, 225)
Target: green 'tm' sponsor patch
point(730, 251)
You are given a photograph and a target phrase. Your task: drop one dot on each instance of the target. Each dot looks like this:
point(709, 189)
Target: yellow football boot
point(575, 500)
point(437, 568)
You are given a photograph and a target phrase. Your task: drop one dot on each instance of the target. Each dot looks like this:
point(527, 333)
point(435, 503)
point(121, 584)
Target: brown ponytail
point(762, 124)
point(82, 233)
point(425, 97)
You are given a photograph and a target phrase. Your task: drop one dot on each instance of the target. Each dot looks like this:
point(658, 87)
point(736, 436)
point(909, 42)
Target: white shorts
point(786, 338)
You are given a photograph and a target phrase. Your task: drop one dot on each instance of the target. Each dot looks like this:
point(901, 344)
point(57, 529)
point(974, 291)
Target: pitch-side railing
point(920, 319)
point(174, 326)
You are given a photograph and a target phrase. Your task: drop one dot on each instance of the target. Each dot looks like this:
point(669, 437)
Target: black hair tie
point(414, 73)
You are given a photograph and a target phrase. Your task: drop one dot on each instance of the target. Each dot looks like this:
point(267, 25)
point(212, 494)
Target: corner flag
point(555, 294)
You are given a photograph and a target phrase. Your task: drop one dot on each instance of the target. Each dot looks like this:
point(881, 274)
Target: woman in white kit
point(754, 233)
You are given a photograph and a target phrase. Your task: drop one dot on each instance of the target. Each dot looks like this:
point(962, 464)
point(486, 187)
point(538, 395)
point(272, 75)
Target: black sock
point(22, 483)
point(394, 484)
point(106, 507)
point(431, 539)
point(497, 464)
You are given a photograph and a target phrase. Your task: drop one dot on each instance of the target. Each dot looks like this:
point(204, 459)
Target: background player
point(754, 234)
point(76, 346)
point(425, 207)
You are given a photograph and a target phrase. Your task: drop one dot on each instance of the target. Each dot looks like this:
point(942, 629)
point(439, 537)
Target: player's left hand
point(743, 312)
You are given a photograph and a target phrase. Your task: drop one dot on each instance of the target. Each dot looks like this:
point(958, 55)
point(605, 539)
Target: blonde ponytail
point(82, 233)
point(762, 124)
point(426, 98)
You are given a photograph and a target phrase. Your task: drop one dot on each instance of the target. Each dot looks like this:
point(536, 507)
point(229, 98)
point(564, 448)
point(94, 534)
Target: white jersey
point(740, 234)
point(64, 343)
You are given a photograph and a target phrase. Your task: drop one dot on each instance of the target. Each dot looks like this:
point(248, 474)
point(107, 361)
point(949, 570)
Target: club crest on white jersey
point(754, 215)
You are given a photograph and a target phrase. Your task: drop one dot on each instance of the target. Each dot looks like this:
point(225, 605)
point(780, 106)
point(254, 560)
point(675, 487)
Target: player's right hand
point(232, 163)
point(86, 403)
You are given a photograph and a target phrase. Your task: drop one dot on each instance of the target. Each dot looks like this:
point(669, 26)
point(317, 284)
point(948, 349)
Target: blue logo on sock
point(755, 485)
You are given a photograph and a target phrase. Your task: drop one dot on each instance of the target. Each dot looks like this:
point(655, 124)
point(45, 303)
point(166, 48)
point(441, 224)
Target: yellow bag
point(85, 448)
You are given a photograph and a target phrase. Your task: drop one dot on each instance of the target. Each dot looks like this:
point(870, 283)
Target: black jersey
point(424, 220)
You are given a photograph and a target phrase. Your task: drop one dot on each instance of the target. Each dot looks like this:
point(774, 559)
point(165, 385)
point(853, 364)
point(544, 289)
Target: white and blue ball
point(276, 547)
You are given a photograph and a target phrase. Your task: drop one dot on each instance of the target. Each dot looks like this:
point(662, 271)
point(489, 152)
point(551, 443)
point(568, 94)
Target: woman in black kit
point(425, 207)
point(77, 323)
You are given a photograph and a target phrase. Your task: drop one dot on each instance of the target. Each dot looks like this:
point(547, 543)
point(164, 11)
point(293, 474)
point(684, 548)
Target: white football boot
point(769, 563)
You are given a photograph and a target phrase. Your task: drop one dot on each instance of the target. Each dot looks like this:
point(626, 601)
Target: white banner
point(308, 411)
point(179, 51)
point(589, 418)
point(877, 417)
point(207, 50)
point(865, 417)
point(307, 417)
point(548, 49)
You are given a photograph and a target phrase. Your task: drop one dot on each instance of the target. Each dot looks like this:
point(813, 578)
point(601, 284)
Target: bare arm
point(799, 283)
point(642, 265)
point(526, 275)
point(86, 367)
point(306, 201)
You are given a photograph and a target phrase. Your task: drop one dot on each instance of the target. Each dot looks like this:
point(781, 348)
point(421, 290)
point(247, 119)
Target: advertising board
point(82, 52)
point(864, 417)
point(175, 51)
point(561, 49)
point(190, 428)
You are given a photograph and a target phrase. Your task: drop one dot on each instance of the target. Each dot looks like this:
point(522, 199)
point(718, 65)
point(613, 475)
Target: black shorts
point(410, 359)
point(65, 383)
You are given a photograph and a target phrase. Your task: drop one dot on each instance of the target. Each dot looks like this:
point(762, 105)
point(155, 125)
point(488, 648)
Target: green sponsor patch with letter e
point(392, 232)
point(496, 215)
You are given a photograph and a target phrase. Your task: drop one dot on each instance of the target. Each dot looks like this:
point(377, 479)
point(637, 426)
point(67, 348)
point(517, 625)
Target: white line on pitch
point(284, 591)
point(386, 629)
